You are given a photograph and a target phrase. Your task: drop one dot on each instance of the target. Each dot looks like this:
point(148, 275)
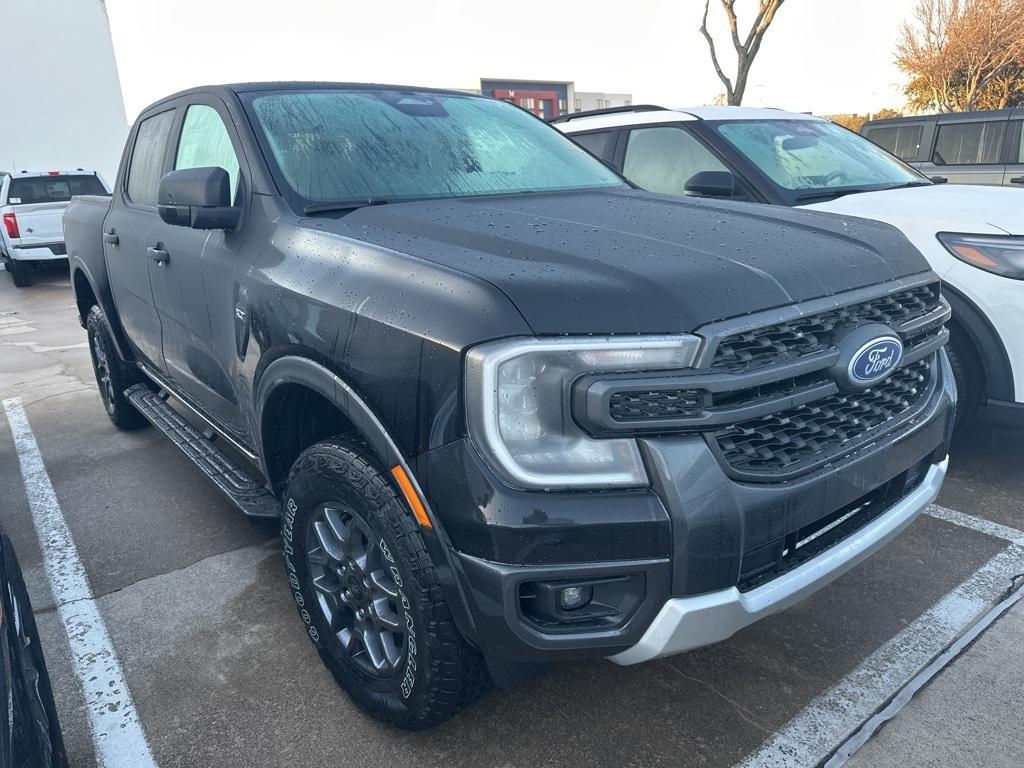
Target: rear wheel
point(968, 375)
point(113, 376)
point(20, 272)
point(368, 592)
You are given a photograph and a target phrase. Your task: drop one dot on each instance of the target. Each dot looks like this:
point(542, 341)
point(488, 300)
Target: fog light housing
point(571, 598)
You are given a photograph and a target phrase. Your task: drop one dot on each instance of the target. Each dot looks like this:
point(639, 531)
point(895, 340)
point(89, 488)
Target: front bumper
point(699, 554)
point(685, 623)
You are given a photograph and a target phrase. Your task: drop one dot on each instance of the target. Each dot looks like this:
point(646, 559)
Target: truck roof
point(62, 172)
point(293, 85)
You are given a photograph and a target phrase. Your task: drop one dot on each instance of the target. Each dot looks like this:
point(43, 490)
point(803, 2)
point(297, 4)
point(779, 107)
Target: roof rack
point(607, 111)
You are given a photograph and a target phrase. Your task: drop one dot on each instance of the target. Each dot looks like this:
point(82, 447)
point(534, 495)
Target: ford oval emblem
point(875, 360)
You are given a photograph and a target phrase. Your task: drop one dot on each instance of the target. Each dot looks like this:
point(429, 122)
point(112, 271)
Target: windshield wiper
point(822, 194)
point(344, 206)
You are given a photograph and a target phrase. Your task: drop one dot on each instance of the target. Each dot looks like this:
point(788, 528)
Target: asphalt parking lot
point(194, 599)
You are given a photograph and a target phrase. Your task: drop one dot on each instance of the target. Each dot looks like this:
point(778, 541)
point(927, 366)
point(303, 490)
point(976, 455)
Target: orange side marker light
point(411, 496)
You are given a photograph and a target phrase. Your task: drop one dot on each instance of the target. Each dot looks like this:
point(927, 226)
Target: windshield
point(362, 145)
point(52, 189)
point(815, 155)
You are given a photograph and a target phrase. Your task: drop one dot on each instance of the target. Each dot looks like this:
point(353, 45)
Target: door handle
point(111, 238)
point(1017, 180)
point(159, 255)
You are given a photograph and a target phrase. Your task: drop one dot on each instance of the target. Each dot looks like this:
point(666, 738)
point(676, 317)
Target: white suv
point(972, 236)
point(32, 206)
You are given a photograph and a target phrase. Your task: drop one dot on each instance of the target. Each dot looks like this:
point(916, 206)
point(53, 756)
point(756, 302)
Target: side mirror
point(199, 198)
point(711, 184)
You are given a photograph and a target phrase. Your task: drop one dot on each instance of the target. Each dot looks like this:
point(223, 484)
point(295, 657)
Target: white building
point(62, 104)
point(586, 100)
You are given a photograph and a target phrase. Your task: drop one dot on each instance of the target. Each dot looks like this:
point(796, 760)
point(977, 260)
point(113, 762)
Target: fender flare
point(106, 303)
point(292, 369)
point(990, 348)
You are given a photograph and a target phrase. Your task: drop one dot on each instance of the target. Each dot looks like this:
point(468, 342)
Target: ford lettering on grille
point(875, 360)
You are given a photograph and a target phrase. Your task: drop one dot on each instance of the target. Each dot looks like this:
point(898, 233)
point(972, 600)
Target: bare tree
point(746, 49)
point(963, 54)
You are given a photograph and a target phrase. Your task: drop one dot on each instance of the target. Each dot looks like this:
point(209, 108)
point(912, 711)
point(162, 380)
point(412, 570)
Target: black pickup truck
point(509, 409)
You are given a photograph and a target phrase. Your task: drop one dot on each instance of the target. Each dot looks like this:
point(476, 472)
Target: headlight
point(517, 401)
point(999, 254)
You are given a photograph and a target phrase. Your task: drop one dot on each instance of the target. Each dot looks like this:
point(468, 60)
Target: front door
point(189, 271)
point(126, 230)
point(1013, 176)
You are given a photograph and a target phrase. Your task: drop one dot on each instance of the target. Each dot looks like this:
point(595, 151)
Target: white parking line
point(116, 731)
point(996, 530)
point(832, 717)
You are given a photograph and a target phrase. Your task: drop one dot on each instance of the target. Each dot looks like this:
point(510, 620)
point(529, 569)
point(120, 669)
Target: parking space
point(194, 600)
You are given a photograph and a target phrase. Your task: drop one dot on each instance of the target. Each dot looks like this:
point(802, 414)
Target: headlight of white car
point(999, 254)
point(518, 407)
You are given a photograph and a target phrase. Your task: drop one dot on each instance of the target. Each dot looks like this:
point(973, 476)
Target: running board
point(243, 490)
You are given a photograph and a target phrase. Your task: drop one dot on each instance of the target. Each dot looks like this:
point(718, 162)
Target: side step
point(247, 494)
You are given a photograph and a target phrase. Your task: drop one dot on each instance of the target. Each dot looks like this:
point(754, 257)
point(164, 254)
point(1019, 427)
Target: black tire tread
point(19, 273)
point(965, 363)
point(457, 670)
point(125, 416)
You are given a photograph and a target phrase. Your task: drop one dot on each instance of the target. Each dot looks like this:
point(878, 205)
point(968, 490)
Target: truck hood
point(635, 262)
point(938, 208)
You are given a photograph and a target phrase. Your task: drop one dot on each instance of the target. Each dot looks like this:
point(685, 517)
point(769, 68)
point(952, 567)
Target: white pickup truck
point(32, 206)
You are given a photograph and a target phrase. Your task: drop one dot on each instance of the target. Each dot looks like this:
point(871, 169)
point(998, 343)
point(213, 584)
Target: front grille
point(658, 404)
point(792, 440)
point(806, 335)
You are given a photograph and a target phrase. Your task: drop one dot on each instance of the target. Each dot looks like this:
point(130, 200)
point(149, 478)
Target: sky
point(822, 56)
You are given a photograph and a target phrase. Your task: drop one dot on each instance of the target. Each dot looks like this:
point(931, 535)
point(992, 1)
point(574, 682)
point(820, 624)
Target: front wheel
point(368, 593)
point(113, 376)
point(968, 375)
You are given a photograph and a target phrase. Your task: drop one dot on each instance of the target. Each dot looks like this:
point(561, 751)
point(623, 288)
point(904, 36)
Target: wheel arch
point(88, 293)
point(995, 362)
point(289, 374)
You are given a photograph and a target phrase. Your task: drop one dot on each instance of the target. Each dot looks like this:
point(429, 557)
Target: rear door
point(969, 148)
point(127, 229)
point(194, 288)
point(908, 141)
point(1013, 176)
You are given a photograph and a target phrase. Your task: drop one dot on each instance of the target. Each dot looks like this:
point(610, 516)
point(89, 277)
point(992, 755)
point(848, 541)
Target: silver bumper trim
point(685, 623)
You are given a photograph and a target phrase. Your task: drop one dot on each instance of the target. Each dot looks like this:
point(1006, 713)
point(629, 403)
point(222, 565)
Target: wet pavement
point(194, 599)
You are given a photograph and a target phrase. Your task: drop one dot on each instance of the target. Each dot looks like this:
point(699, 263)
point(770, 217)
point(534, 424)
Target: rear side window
point(148, 158)
point(599, 144)
point(52, 189)
point(663, 159)
point(205, 143)
point(969, 143)
point(1020, 146)
point(904, 141)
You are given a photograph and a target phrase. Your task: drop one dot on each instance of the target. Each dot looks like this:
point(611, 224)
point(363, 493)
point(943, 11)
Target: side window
point(663, 159)
point(600, 144)
point(904, 141)
point(205, 143)
point(1020, 144)
point(148, 158)
point(969, 143)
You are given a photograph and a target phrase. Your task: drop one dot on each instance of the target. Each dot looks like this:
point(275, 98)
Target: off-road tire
point(967, 373)
point(113, 375)
point(20, 273)
point(439, 672)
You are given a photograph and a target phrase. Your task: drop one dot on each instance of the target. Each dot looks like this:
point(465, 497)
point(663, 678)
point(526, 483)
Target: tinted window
point(815, 155)
point(600, 144)
point(346, 146)
point(969, 143)
point(52, 189)
point(205, 143)
point(148, 158)
point(1020, 148)
point(904, 141)
point(663, 159)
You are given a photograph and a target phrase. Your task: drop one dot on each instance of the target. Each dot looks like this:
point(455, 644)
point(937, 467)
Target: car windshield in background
point(386, 146)
point(811, 156)
point(52, 189)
